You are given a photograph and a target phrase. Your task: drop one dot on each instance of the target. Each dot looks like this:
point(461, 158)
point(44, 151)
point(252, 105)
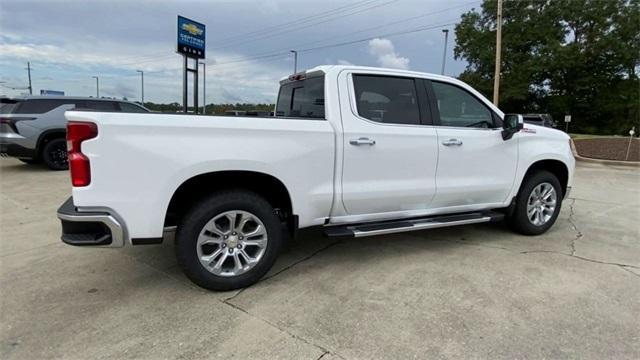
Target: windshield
point(302, 99)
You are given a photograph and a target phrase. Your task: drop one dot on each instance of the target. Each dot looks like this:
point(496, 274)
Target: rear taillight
point(77, 132)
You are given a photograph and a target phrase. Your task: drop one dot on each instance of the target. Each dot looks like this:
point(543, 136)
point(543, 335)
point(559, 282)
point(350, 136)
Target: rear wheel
point(537, 204)
point(54, 154)
point(229, 241)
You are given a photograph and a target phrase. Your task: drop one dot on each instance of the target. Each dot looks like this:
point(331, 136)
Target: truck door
point(475, 166)
point(390, 144)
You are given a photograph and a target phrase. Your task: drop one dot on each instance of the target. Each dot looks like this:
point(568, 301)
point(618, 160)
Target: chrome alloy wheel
point(232, 243)
point(541, 204)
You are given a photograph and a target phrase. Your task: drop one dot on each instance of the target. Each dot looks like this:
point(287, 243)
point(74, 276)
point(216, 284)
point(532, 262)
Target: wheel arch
point(47, 136)
point(265, 185)
point(556, 167)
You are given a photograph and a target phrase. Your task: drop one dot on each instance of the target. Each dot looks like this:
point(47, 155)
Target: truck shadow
point(312, 245)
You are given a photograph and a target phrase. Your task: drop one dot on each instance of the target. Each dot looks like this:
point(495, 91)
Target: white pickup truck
point(358, 151)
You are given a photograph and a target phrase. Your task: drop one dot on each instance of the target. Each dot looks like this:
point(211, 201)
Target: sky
point(248, 43)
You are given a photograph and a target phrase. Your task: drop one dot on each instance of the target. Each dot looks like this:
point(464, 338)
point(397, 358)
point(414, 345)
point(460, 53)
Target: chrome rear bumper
point(90, 228)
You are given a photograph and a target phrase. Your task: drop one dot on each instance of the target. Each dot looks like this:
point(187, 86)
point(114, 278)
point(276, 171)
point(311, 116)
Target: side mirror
point(512, 123)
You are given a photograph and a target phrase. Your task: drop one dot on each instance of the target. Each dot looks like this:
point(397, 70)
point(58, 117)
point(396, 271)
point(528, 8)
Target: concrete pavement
point(465, 292)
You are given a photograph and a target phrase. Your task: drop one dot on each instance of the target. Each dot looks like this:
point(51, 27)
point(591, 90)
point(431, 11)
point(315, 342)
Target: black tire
point(30, 161)
point(54, 154)
point(518, 220)
point(194, 221)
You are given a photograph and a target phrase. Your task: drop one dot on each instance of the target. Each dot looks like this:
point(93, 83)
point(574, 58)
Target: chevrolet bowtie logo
point(192, 29)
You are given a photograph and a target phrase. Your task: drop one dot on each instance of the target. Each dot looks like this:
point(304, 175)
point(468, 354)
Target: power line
point(303, 27)
point(377, 36)
point(403, 20)
point(351, 42)
point(297, 21)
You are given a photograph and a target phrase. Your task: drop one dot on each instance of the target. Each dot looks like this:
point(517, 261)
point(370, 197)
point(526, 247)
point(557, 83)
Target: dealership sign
point(191, 38)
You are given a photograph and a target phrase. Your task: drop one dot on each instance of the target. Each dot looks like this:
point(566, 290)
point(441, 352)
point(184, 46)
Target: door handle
point(452, 142)
point(362, 141)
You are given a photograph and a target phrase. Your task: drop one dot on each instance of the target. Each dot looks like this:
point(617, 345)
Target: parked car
point(33, 128)
point(540, 119)
point(357, 151)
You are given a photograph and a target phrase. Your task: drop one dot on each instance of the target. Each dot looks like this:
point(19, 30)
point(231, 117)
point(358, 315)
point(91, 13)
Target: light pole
point(204, 88)
point(29, 73)
point(295, 61)
point(142, 84)
point(444, 52)
point(97, 86)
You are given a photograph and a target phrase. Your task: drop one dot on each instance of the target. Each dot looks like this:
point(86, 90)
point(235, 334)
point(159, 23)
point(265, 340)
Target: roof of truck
point(337, 68)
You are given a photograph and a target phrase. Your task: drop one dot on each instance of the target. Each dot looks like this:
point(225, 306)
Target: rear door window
point(302, 99)
point(39, 106)
point(387, 99)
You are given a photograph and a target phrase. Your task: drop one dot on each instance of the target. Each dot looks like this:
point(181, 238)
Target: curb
point(602, 161)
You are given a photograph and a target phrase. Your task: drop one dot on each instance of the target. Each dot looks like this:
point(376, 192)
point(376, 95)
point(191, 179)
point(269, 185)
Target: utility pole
point(97, 87)
point(295, 61)
point(444, 53)
point(29, 73)
point(496, 75)
point(142, 84)
point(204, 88)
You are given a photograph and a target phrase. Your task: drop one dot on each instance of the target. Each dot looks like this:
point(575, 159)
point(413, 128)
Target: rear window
point(7, 106)
point(302, 99)
point(39, 106)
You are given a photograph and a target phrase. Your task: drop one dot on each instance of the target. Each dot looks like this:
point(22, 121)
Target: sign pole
point(191, 44)
point(184, 86)
point(195, 86)
point(567, 120)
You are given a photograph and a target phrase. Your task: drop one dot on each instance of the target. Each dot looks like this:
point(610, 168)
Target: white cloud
point(116, 64)
point(386, 55)
point(344, 62)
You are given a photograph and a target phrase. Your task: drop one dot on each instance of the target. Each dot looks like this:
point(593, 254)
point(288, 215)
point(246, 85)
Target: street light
point(97, 86)
point(444, 53)
point(295, 61)
point(142, 84)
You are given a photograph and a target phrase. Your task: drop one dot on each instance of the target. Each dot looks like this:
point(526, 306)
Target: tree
point(561, 57)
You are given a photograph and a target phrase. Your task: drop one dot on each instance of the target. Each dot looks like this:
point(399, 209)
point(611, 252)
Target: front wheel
point(537, 204)
point(228, 241)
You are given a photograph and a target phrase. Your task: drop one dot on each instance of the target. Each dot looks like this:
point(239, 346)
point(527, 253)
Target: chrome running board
point(398, 226)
